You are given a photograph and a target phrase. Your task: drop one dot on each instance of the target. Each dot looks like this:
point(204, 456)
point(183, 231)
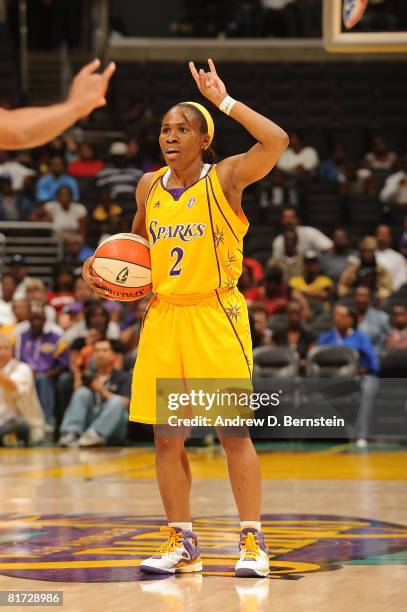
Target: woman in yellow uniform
point(196, 325)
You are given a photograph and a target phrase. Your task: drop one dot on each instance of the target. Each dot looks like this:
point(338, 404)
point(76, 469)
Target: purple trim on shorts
point(236, 334)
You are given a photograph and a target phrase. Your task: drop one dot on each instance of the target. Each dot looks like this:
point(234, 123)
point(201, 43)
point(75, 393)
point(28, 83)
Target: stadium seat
point(332, 362)
point(275, 362)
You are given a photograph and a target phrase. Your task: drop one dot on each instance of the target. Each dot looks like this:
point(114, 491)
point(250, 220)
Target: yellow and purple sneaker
point(179, 554)
point(254, 559)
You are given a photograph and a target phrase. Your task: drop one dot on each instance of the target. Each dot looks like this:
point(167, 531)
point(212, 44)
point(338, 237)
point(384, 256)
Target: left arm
point(239, 171)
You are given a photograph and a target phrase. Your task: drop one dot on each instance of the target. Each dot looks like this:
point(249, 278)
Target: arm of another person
point(237, 172)
point(138, 227)
point(30, 127)
point(346, 280)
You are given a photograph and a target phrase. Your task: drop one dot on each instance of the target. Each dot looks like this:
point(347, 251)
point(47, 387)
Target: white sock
point(183, 526)
point(253, 524)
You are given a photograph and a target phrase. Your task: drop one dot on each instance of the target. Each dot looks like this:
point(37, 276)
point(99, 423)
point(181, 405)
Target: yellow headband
point(208, 119)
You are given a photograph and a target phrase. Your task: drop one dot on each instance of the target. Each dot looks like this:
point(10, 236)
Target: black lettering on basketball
point(123, 275)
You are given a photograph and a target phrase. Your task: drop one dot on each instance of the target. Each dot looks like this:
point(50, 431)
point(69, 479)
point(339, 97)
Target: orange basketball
point(123, 263)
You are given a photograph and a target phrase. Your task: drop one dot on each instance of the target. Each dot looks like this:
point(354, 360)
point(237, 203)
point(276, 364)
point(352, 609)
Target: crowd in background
point(66, 356)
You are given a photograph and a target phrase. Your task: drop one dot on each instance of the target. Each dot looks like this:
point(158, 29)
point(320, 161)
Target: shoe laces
point(250, 545)
point(175, 538)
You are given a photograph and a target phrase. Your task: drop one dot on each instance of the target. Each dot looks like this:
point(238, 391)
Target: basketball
point(122, 261)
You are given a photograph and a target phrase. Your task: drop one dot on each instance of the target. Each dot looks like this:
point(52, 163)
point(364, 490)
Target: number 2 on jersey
point(178, 253)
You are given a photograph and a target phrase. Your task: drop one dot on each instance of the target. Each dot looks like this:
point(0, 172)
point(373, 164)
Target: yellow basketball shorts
point(190, 338)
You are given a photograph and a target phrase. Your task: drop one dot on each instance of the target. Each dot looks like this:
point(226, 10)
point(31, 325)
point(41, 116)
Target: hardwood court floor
point(335, 520)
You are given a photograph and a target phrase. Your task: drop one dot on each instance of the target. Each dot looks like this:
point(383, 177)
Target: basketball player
point(196, 326)
point(31, 127)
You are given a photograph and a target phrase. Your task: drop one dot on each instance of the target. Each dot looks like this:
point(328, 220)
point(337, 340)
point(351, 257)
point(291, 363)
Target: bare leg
point(173, 476)
point(245, 476)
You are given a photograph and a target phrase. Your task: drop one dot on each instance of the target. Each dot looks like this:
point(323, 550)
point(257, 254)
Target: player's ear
point(206, 139)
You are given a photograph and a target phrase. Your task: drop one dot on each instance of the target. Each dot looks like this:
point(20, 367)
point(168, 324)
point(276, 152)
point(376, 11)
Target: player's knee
point(235, 445)
point(169, 445)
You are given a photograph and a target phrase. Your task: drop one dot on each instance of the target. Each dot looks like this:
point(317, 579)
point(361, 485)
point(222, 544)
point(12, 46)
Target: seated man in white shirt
point(395, 188)
point(309, 238)
point(390, 259)
point(19, 405)
point(298, 158)
point(64, 214)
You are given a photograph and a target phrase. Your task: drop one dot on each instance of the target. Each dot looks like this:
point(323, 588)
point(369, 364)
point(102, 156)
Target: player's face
point(181, 139)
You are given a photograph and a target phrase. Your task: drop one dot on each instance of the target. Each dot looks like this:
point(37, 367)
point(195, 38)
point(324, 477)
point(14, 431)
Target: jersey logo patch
point(156, 205)
point(191, 202)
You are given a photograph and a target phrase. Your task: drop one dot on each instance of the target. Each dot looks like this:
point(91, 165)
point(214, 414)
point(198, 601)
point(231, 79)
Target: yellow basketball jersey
point(197, 240)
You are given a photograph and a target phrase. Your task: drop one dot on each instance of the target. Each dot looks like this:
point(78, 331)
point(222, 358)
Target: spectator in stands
point(278, 18)
point(260, 325)
point(133, 155)
point(94, 316)
point(81, 291)
point(62, 292)
point(19, 405)
point(274, 292)
point(380, 158)
point(248, 286)
point(75, 251)
point(334, 168)
point(291, 262)
point(390, 259)
point(114, 225)
point(9, 206)
point(295, 334)
point(46, 353)
point(13, 206)
point(8, 287)
point(308, 237)
point(336, 261)
point(403, 239)
point(20, 312)
point(98, 411)
point(48, 185)
point(280, 193)
point(36, 292)
point(298, 158)
point(395, 187)
point(397, 338)
point(366, 273)
point(357, 180)
point(19, 269)
point(312, 284)
point(63, 213)
point(371, 321)
point(256, 268)
point(106, 208)
point(14, 169)
point(87, 164)
point(118, 176)
point(130, 325)
point(345, 333)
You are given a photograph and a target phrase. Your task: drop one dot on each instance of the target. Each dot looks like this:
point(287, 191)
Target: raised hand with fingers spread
point(209, 83)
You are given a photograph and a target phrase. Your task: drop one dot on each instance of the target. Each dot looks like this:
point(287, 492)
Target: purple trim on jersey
point(176, 192)
point(221, 211)
point(186, 188)
point(212, 230)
